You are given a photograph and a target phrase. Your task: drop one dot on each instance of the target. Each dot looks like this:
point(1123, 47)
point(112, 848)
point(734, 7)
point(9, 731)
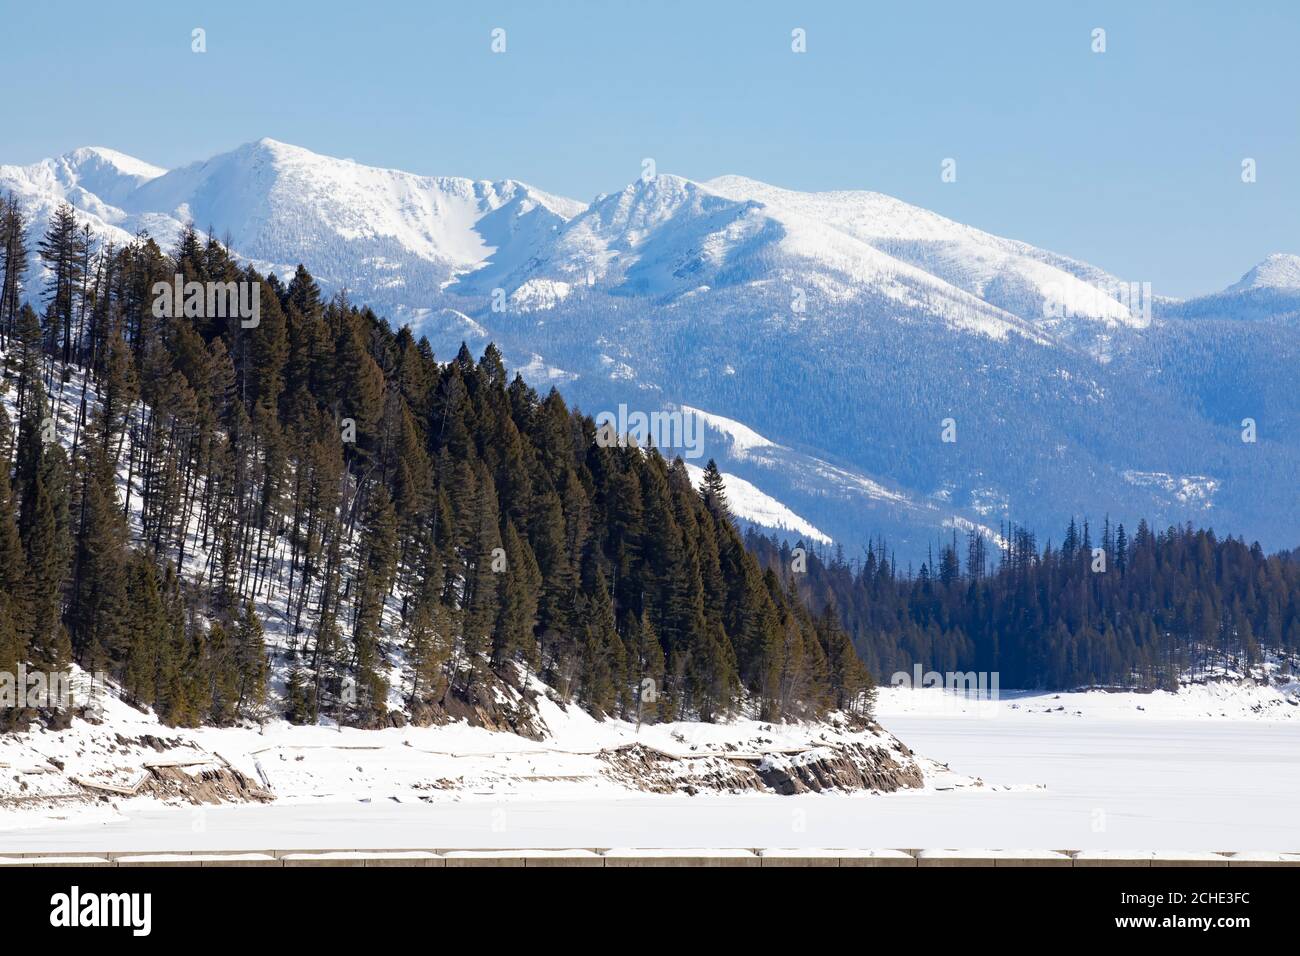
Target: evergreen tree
point(222, 671)
point(63, 251)
point(713, 491)
point(374, 577)
point(13, 264)
point(251, 662)
point(519, 592)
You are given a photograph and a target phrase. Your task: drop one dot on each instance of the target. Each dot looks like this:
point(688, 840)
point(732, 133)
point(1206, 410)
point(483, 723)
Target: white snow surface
point(661, 235)
point(972, 260)
point(1208, 700)
point(743, 439)
point(750, 503)
point(1187, 489)
point(361, 227)
point(412, 766)
point(1279, 271)
point(1211, 768)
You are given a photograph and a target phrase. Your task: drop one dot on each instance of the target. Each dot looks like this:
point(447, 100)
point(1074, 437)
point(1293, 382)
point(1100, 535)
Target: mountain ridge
point(772, 308)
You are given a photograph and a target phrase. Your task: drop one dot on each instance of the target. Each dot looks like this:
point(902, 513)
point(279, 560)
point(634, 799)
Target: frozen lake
point(1101, 780)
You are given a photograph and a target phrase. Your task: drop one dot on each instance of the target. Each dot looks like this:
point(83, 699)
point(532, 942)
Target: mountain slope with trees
point(176, 489)
point(845, 327)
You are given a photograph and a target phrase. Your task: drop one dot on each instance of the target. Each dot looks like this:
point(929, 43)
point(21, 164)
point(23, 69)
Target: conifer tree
point(146, 634)
point(713, 491)
point(251, 661)
point(63, 250)
point(43, 529)
point(428, 638)
point(13, 571)
point(222, 669)
point(13, 264)
point(374, 577)
point(647, 668)
point(520, 591)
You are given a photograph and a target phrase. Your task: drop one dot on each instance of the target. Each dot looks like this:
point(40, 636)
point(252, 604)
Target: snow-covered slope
point(282, 204)
point(94, 180)
point(392, 237)
point(1014, 276)
point(93, 175)
point(1226, 700)
point(1278, 271)
point(750, 504)
point(843, 327)
point(668, 237)
point(1269, 291)
point(122, 760)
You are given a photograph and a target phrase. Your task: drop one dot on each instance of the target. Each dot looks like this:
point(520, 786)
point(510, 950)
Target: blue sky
point(1129, 159)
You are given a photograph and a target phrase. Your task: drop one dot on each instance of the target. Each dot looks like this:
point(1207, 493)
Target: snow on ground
point(1277, 271)
point(969, 258)
point(579, 758)
point(749, 502)
point(274, 603)
point(742, 438)
point(1099, 774)
point(1210, 700)
point(1118, 784)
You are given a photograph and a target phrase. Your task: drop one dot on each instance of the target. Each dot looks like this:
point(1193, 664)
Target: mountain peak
point(1281, 270)
point(663, 186)
point(1031, 283)
point(274, 151)
point(104, 158)
point(279, 148)
point(103, 174)
point(648, 202)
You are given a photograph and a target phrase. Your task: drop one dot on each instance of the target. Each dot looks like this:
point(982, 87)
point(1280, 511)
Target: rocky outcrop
point(842, 767)
point(642, 767)
point(845, 766)
point(204, 784)
point(502, 702)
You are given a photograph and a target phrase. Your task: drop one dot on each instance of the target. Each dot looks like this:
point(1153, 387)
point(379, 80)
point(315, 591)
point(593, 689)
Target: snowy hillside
point(92, 179)
point(1011, 275)
point(845, 327)
point(669, 237)
point(1216, 700)
point(389, 235)
point(121, 760)
point(1269, 291)
point(1278, 271)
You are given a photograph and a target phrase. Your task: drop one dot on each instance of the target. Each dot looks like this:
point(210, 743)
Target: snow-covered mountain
point(1268, 291)
point(1279, 271)
point(92, 179)
point(380, 232)
point(668, 238)
point(826, 337)
point(1028, 282)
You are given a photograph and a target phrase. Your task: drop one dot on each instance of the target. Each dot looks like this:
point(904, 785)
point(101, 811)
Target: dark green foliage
point(1122, 612)
point(389, 526)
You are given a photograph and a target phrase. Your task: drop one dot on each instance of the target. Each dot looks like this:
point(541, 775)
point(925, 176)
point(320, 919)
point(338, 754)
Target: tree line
point(1140, 611)
point(313, 516)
